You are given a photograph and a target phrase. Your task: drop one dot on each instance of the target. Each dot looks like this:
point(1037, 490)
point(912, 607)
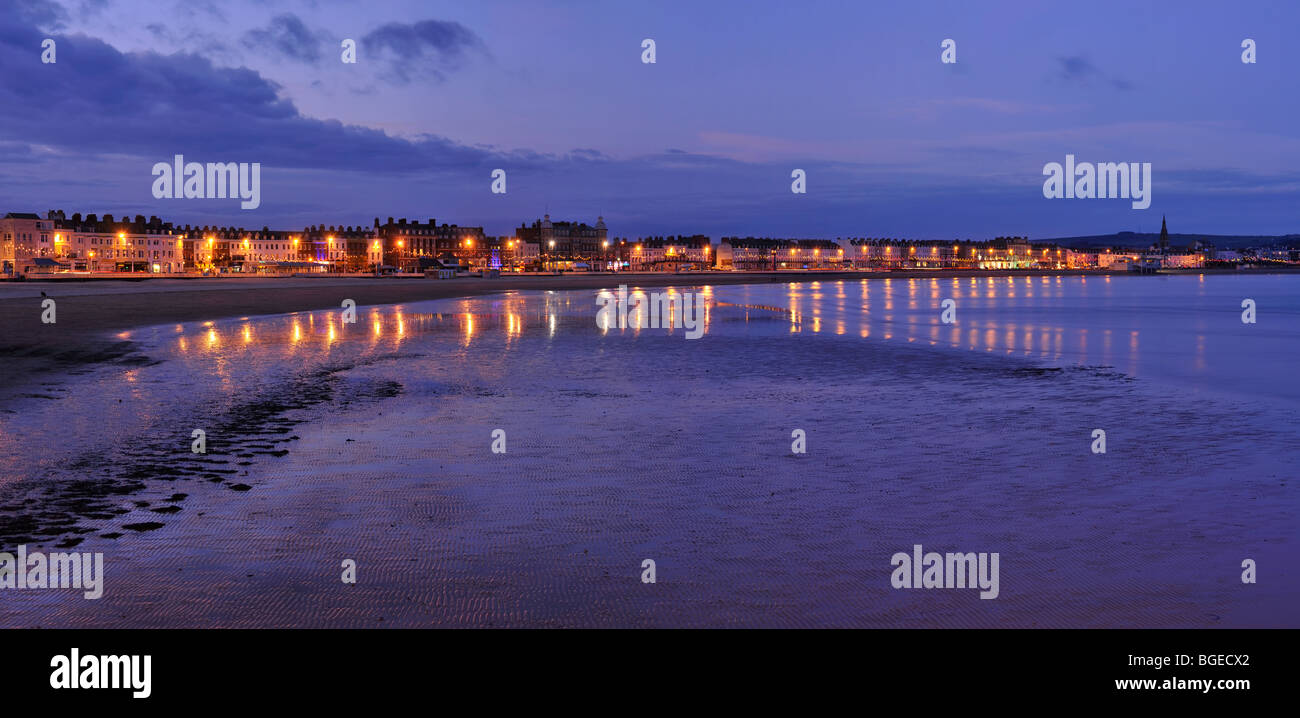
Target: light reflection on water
point(1180, 329)
point(1185, 330)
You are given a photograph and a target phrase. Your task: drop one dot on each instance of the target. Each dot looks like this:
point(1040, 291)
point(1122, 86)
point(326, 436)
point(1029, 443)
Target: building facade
point(567, 245)
point(411, 246)
point(58, 243)
point(767, 254)
point(665, 254)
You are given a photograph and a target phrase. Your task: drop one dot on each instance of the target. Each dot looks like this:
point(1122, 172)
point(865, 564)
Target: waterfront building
point(403, 244)
point(667, 254)
point(518, 254)
point(566, 245)
point(920, 254)
point(768, 254)
point(24, 236)
point(60, 243)
point(1093, 258)
point(1162, 255)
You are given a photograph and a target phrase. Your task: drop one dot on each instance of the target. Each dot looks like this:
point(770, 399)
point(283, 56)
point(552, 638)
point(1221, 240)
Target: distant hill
point(1139, 240)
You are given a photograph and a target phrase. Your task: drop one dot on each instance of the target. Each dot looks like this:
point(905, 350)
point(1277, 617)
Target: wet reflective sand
point(371, 441)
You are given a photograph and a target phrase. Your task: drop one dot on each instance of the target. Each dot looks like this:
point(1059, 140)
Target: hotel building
point(565, 245)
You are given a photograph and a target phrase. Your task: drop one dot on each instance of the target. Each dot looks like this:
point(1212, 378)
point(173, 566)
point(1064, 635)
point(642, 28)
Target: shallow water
point(372, 441)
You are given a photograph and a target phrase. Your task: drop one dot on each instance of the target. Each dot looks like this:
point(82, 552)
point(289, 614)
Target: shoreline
point(135, 303)
point(89, 313)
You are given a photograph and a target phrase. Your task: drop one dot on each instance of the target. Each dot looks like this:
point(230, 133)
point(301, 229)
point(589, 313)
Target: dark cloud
point(429, 47)
point(96, 101)
point(287, 35)
point(1078, 69)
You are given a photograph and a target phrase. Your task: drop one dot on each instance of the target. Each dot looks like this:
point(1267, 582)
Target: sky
point(894, 142)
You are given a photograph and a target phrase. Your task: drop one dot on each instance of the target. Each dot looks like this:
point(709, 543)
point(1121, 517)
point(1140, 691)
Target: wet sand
point(372, 443)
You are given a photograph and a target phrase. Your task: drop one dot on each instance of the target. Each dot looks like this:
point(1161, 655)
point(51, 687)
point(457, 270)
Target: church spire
point(1164, 234)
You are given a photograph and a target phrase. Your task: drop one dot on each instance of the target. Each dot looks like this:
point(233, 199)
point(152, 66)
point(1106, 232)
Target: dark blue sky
point(895, 143)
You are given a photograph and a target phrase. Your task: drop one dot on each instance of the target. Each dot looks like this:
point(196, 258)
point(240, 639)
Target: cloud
point(197, 8)
point(90, 8)
point(288, 36)
point(428, 47)
point(98, 101)
point(48, 15)
point(1077, 69)
point(932, 110)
